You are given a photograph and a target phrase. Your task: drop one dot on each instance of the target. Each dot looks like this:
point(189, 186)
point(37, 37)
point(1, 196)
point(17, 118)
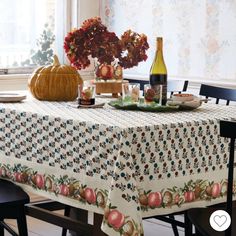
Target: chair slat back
point(228, 130)
point(218, 93)
point(177, 86)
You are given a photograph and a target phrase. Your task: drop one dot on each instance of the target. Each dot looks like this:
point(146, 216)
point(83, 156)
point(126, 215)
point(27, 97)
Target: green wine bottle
point(158, 74)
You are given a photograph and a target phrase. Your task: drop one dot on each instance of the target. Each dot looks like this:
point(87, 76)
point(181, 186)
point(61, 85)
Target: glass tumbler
point(86, 94)
point(152, 94)
point(130, 93)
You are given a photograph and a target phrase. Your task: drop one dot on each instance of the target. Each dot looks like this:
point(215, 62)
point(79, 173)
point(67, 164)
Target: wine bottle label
point(158, 79)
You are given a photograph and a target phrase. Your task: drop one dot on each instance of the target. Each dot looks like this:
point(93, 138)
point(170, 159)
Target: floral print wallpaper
point(199, 35)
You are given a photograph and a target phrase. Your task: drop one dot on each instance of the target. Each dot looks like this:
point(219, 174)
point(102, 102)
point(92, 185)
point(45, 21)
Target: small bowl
point(183, 97)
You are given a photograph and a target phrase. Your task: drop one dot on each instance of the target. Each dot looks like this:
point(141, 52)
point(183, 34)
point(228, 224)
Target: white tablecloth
point(123, 164)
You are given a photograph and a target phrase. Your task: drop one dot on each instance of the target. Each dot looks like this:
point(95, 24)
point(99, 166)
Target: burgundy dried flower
point(93, 39)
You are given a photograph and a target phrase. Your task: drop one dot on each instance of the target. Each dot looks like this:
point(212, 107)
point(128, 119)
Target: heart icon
point(220, 220)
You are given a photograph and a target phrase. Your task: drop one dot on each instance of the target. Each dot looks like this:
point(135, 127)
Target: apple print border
point(191, 191)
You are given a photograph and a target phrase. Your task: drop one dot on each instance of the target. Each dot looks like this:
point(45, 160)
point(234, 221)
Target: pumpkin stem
point(56, 61)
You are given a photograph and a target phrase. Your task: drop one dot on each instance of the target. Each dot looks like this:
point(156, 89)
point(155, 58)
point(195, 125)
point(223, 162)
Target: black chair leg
point(188, 225)
point(21, 222)
point(174, 227)
point(1, 229)
point(66, 213)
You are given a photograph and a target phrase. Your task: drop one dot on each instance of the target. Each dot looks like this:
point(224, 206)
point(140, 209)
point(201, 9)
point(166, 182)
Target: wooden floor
point(36, 227)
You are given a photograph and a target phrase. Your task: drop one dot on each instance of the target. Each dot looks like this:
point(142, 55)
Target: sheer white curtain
point(199, 36)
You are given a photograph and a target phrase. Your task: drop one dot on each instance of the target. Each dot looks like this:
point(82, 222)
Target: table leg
point(97, 222)
point(78, 214)
point(188, 225)
point(1, 229)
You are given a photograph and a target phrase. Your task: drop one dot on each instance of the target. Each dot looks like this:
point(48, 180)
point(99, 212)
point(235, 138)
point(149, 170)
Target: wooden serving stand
point(108, 86)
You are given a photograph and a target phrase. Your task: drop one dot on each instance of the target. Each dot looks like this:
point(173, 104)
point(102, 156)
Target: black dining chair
point(218, 93)
point(199, 217)
point(12, 206)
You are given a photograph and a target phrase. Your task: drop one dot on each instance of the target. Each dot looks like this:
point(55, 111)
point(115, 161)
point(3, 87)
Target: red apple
point(90, 195)
point(116, 219)
point(189, 196)
point(21, 177)
point(216, 189)
point(64, 189)
point(154, 199)
point(106, 71)
point(39, 181)
point(18, 177)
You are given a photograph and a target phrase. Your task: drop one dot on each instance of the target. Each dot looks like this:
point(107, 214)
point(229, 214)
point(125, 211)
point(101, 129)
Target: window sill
point(20, 81)
point(14, 76)
point(14, 82)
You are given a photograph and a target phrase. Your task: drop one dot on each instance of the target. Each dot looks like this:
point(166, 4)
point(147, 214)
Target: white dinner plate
point(11, 97)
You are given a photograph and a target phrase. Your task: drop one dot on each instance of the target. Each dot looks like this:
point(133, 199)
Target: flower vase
point(108, 72)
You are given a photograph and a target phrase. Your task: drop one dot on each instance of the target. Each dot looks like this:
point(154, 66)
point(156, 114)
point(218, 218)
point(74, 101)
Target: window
point(46, 22)
point(27, 36)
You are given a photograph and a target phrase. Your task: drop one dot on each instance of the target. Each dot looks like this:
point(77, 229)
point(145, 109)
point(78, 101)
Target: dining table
point(124, 165)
